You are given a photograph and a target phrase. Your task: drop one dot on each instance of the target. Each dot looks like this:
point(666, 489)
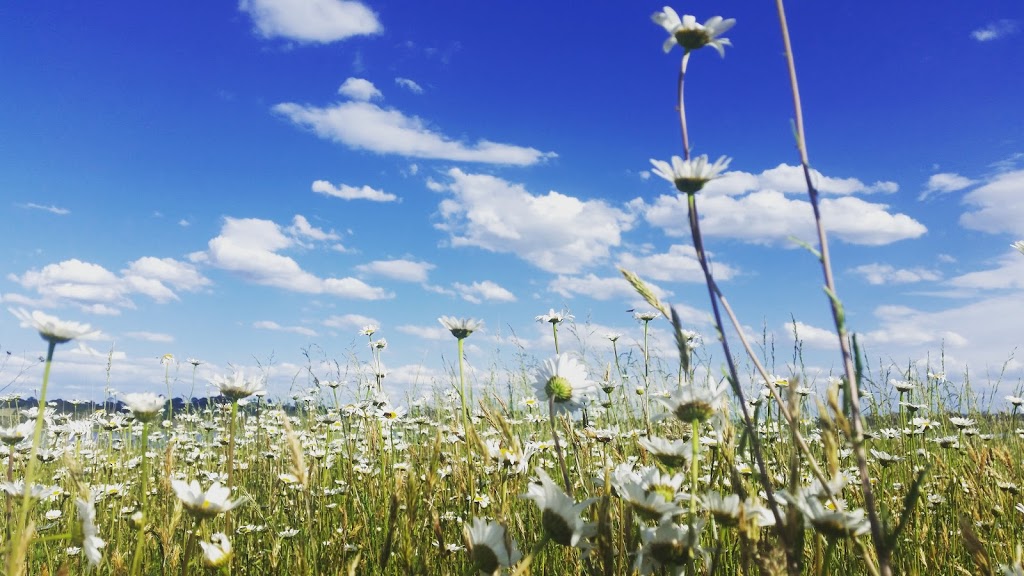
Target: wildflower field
point(630, 464)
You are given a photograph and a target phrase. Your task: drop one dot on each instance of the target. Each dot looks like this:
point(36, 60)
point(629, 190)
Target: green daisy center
point(690, 185)
point(557, 527)
point(485, 559)
point(698, 410)
point(558, 388)
point(692, 38)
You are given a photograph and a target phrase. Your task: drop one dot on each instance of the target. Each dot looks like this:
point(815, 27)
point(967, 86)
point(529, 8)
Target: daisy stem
point(140, 544)
point(878, 537)
point(14, 563)
point(554, 332)
point(694, 466)
point(558, 446)
point(682, 109)
point(231, 458)
point(647, 383)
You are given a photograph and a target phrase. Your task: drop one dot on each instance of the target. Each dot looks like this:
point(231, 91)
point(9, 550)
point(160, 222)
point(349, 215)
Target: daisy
point(204, 504)
point(91, 541)
point(560, 514)
point(692, 403)
point(731, 511)
point(687, 33)
point(52, 329)
point(554, 317)
point(216, 552)
point(671, 453)
point(491, 548)
point(690, 176)
point(649, 505)
point(461, 328)
point(16, 433)
point(564, 380)
point(236, 387)
point(146, 406)
point(901, 385)
point(670, 547)
point(961, 423)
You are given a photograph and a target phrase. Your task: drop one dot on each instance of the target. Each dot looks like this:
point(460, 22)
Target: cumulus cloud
point(366, 126)
point(477, 292)
point(600, 287)
point(437, 334)
point(878, 274)
point(250, 247)
point(554, 232)
point(789, 179)
point(322, 21)
point(943, 183)
point(274, 326)
point(95, 289)
point(679, 264)
point(997, 206)
point(995, 30)
point(409, 85)
point(401, 269)
point(359, 89)
point(346, 192)
point(1008, 273)
point(812, 336)
point(769, 217)
point(350, 321)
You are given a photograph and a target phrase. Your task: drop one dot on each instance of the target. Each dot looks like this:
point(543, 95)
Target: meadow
point(629, 464)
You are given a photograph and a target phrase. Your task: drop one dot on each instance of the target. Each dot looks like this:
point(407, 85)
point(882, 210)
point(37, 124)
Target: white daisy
point(687, 33)
point(690, 176)
point(565, 380)
point(560, 514)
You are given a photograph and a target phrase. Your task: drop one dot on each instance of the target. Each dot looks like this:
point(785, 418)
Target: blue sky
point(237, 182)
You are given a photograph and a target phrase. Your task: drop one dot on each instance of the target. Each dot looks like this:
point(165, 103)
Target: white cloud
point(359, 89)
point(409, 85)
point(350, 321)
point(346, 192)
point(998, 205)
point(600, 288)
point(321, 21)
point(271, 325)
point(769, 217)
point(485, 290)
point(158, 337)
point(878, 274)
point(679, 264)
point(95, 289)
point(790, 179)
point(554, 232)
point(1008, 274)
point(403, 270)
point(48, 208)
point(812, 336)
point(437, 334)
point(366, 126)
point(994, 30)
point(249, 247)
point(944, 182)
point(301, 228)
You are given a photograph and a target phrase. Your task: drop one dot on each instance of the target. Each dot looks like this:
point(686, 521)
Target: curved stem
point(14, 559)
point(682, 108)
point(558, 446)
point(877, 537)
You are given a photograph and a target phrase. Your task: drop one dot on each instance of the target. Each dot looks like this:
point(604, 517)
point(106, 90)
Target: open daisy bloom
point(204, 504)
point(691, 35)
point(697, 403)
point(564, 380)
point(669, 547)
point(217, 551)
point(146, 406)
point(461, 328)
point(560, 514)
point(50, 328)
point(237, 387)
point(690, 176)
point(492, 548)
